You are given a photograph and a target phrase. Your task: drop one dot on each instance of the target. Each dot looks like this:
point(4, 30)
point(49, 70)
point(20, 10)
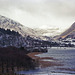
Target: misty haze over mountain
point(40, 13)
point(7, 23)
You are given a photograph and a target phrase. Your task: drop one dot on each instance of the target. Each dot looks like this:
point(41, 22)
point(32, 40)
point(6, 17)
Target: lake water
point(65, 56)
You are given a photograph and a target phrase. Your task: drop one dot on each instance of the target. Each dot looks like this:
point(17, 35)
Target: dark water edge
point(64, 55)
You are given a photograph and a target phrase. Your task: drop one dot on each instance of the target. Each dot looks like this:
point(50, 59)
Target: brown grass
point(32, 55)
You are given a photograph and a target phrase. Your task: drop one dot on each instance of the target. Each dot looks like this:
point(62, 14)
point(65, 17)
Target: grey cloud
point(43, 9)
point(58, 7)
point(62, 8)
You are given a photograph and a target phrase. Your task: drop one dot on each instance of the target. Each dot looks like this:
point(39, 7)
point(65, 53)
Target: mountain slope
point(69, 32)
point(37, 33)
point(7, 23)
point(11, 38)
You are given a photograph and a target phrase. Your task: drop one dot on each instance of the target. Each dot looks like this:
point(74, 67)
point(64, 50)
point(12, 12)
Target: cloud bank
point(38, 13)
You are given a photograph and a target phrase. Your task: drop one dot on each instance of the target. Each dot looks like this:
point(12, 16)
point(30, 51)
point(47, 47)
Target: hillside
point(69, 33)
point(7, 23)
point(36, 33)
point(11, 38)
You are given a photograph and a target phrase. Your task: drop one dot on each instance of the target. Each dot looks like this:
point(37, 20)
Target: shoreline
point(44, 62)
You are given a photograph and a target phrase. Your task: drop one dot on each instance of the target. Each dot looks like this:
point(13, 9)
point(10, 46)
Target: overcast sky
point(40, 13)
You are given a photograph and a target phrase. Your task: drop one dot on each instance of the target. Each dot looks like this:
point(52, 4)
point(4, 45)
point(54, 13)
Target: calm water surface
point(65, 56)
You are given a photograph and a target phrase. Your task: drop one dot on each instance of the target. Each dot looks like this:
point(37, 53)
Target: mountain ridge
point(70, 32)
point(36, 33)
point(7, 23)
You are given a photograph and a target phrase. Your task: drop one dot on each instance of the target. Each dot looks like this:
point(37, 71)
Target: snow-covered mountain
point(7, 23)
point(12, 38)
point(38, 33)
point(69, 33)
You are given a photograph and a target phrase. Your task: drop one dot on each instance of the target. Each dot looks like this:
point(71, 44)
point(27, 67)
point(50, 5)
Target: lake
point(65, 56)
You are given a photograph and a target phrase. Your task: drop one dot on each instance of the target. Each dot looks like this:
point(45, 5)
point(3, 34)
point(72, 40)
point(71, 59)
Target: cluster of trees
point(41, 43)
point(11, 38)
point(9, 32)
point(12, 59)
